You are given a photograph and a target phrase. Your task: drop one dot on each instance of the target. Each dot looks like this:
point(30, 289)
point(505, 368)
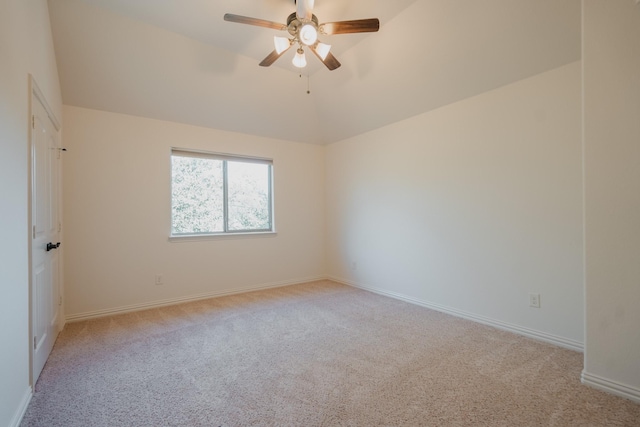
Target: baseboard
point(179, 300)
point(531, 333)
point(610, 386)
point(22, 408)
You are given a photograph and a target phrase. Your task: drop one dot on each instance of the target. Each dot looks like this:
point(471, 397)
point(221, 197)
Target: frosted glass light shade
point(299, 60)
point(281, 44)
point(308, 34)
point(323, 50)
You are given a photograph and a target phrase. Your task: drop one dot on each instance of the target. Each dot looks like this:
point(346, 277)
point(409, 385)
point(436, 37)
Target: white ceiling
point(178, 60)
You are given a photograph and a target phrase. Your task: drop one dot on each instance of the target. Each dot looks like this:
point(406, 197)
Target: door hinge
point(33, 122)
point(34, 231)
point(34, 343)
point(60, 300)
point(59, 227)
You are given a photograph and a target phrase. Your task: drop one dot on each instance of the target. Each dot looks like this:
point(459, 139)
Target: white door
point(45, 294)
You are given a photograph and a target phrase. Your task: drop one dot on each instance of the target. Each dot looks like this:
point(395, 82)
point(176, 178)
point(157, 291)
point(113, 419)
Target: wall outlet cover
point(534, 300)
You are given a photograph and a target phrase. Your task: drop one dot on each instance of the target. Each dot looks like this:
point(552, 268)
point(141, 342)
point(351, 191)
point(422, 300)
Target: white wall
point(25, 48)
point(611, 43)
point(470, 207)
point(117, 215)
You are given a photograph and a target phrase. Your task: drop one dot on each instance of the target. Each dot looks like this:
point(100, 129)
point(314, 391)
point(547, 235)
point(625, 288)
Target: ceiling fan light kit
point(304, 29)
point(300, 60)
point(308, 34)
point(322, 50)
point(281, 44)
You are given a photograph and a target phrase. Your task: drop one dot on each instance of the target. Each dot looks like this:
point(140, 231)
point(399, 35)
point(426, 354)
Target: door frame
point(36, 95)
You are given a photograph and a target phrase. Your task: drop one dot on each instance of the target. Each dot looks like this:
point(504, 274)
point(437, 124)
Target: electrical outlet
point(534, 300)
point(159, 279)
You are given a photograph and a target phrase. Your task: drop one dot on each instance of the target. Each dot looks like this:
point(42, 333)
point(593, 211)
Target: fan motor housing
point(294, 24)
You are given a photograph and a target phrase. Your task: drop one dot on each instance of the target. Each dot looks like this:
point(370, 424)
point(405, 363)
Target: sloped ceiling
point(178, 60)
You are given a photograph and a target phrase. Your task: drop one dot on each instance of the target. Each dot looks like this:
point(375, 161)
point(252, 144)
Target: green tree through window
point(213, 193)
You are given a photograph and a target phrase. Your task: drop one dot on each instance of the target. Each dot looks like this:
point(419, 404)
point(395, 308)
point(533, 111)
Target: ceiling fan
point(304, 28)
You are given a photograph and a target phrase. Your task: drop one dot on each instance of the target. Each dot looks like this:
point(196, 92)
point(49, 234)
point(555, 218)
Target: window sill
point(222, 236)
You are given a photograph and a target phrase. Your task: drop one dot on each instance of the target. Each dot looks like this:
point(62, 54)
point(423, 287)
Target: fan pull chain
point(308, 83)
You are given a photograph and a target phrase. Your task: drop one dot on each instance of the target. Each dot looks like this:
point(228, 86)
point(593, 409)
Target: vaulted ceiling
point(178, 60)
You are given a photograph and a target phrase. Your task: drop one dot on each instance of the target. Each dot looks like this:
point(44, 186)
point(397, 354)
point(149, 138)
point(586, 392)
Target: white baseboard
point(531, 333)
point(610, 386)
point(22, 408)
point(173, 301)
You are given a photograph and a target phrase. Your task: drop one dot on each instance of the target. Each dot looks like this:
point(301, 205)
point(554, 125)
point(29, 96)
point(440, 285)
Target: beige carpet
point(318, 354)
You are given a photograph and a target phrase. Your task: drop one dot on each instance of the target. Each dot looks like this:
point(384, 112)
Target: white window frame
point(226, 233)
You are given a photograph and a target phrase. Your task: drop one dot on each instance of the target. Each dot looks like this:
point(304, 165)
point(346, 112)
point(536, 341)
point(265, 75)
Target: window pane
point(249, 204)
point(197, 197)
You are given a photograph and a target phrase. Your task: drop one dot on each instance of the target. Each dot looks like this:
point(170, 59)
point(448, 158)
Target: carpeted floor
point(317, 354)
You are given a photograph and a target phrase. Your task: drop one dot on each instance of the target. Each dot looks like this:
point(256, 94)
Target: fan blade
point(253, 21)
point(330, 61)
point(346, 27)
point(272, 57)
point(304, 9)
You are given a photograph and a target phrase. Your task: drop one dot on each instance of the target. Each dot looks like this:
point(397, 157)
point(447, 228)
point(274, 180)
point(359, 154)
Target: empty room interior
point(426, 212)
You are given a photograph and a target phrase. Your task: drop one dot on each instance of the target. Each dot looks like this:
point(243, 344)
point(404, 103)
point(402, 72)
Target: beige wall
point(470, 207)
point(467, 208)
point(25, 48)
point(611, 42)
point(117, 215)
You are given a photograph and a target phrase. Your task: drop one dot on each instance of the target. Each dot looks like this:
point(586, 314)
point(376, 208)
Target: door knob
point(51, 246)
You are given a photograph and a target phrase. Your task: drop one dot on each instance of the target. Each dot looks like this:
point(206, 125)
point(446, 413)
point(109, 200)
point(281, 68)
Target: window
point(219, 194)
